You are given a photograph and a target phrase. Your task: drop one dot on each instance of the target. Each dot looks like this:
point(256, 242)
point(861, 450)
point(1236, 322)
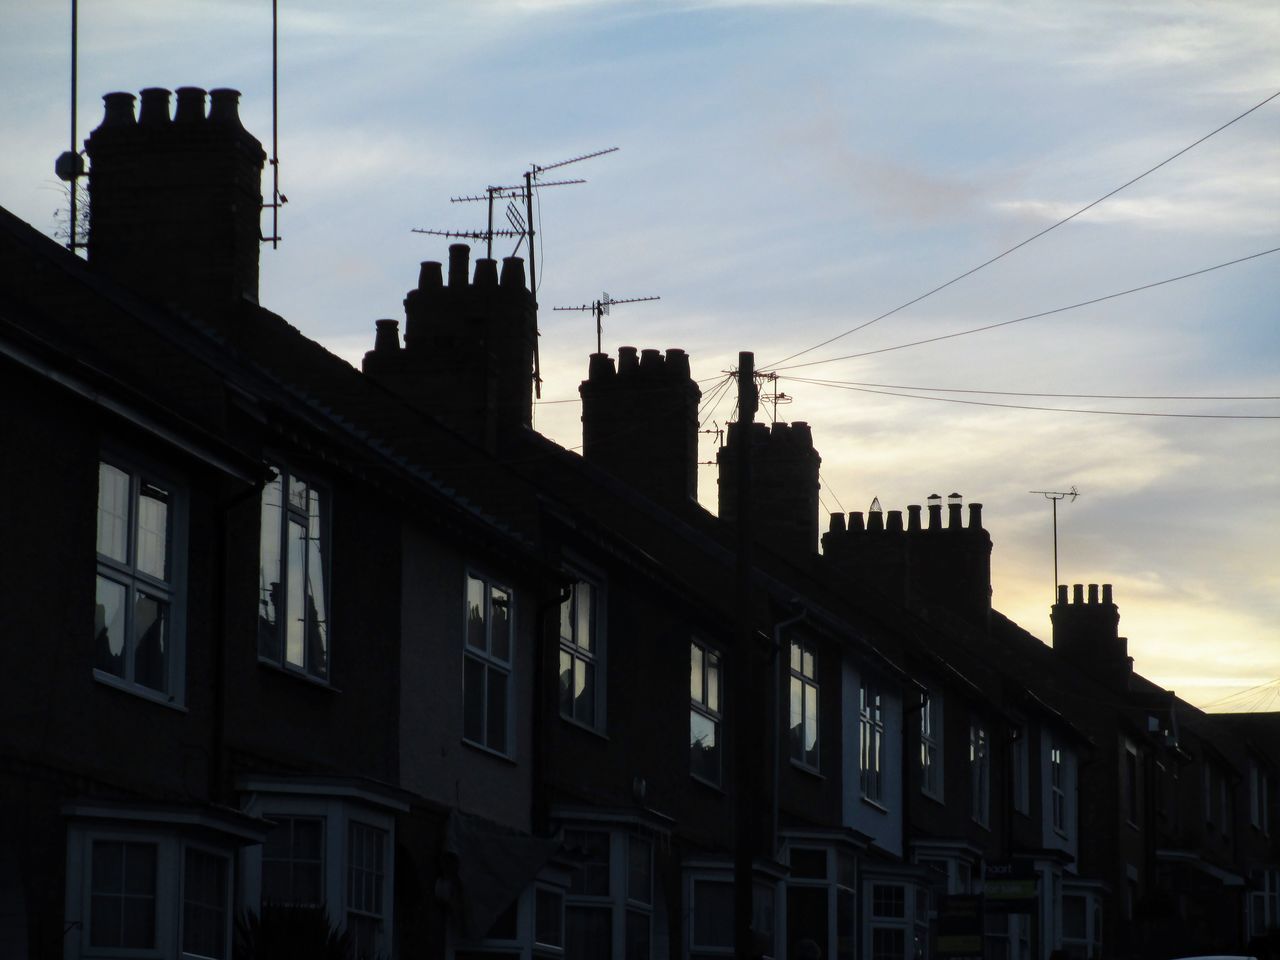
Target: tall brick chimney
point(784, 484)
point(174, 203)
point(949, 566)
point(468, 347)
point(1089, 632)
point(640, 421)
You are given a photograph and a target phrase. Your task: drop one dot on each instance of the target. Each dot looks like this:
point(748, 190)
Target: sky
point(789, 170)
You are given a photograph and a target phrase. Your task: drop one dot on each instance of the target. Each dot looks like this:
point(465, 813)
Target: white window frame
point(618, 900)
point(492, 663)
point(803, 679)
point(337, 805)
point(913, 923)
point(171, 844)
point(979, 774)
point(274, 649)
point(126, 573)
point(588, 656)
point(707, 702)
point(932, 777)
point(871, 733)
point(706, 874)
point(838, 881)
point(525, 945)
point(1058, 788)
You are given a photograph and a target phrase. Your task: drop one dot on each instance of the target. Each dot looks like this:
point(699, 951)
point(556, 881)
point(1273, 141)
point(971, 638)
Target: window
point(931, 745)
point(138, 604)
point(205, 901)
point(487, 666)
point(704, 712)
point(979, 774)
point(581, 663)
point(293, 575)
point(1019, 769)
point(1259, 815)
point(366, 878)
point(293, 861)
point(871, 742)
point(1081, 926)
point(609, 906)
point(712, 927)
point(898, 921)
point(1131, 784)
point(122, 890)
point(804, 705)
point(1058, 789)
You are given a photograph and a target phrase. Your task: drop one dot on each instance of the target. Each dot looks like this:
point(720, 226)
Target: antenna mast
point(278, 199)
point(601, 309)
point(69, 166)
point(1054, 496)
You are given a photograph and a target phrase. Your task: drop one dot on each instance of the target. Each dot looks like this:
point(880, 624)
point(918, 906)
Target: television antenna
point(522, 228)
point(1054, 496)
point(774, 398)
point(278, 199)
point(601, 309)
point(69, 167)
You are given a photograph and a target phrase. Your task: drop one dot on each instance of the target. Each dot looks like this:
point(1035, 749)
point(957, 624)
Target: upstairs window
point(1020, 770)
point(293, 575)
point(581, 657)
point(931, 745)
point(979, 775)
point(138, 606)
point(871, 742)
point(804, 705)
point(487, 665)
point(1058, 789)
point(704, 712)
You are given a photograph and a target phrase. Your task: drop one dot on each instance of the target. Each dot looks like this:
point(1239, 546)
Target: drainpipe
point(777, 715)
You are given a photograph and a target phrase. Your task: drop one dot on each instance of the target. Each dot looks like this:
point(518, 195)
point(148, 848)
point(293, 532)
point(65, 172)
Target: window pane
point(204, 905)
point(500, 629)
point(151, 651)
point(713, 681)
point(695, 673)
point(807, 669)
point(888, 943)
point(584, 608)
point(811, 725)
point(584, 695)
point(476, 614)
point(297, 494)
point(108, 629)
point(548, 917)
point(590, 850)
point(295, 609)
point(808, 864)
point(704, 747)
point(317, 595)
point(796, 657)
point(712, 914)
point(113, 512)
point(639, 870)
point(153, 532)
point(122, 895)
point(270, 598)
point(566, 618)
point(588, 933)
point(566, 683)
point(473, 700)
point(496, 719)
point(797, 719)
point(637, 947)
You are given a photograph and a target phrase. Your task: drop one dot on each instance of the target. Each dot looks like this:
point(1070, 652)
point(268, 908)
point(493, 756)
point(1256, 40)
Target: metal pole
point(71, 238)
point(1054, 500)
point(275, 138)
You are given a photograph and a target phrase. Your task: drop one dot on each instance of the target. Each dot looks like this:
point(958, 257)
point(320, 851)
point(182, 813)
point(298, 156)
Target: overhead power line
point(1017, 393)
point(1030, 316)
point(1024, 406)
point(1035, 236)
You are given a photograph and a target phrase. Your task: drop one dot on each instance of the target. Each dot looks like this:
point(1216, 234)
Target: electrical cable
point(1035, 236)
point(1016, 393)
point(1031, 316)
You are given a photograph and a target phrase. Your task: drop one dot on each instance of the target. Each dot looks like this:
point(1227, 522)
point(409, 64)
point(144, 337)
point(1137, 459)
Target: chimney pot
point(1106, 593)
point(913, 518)
point(954, 521)
point(486, 272)
point(513, 272)
point(224, 107)
point(802, 432)
point(837, 523)
point(155, 107)
point(875, 520)
point(600, 367)
point(1093, 593)
point(855, 521)
point(387, 337)
point(118, 110)
point(975, 516)
point(677, 362)
point(1077, 593)
point(190, 105)
point(628, 361)
point(459, 256)
point(1062, 594)
point(935, 511)
point(651, 361)
point(430, 275)
point(894, 522)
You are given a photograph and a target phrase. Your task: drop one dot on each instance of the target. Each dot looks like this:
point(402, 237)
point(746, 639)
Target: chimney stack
point(784, 465)
point(468, 347)
point(175, 203)
point(640, 422)
point(1087, 631)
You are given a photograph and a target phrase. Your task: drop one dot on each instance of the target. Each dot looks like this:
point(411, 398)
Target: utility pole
point(743, 672)
point(1053, 496)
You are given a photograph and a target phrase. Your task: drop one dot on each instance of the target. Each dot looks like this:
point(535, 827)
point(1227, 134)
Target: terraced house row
point(281, 632)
